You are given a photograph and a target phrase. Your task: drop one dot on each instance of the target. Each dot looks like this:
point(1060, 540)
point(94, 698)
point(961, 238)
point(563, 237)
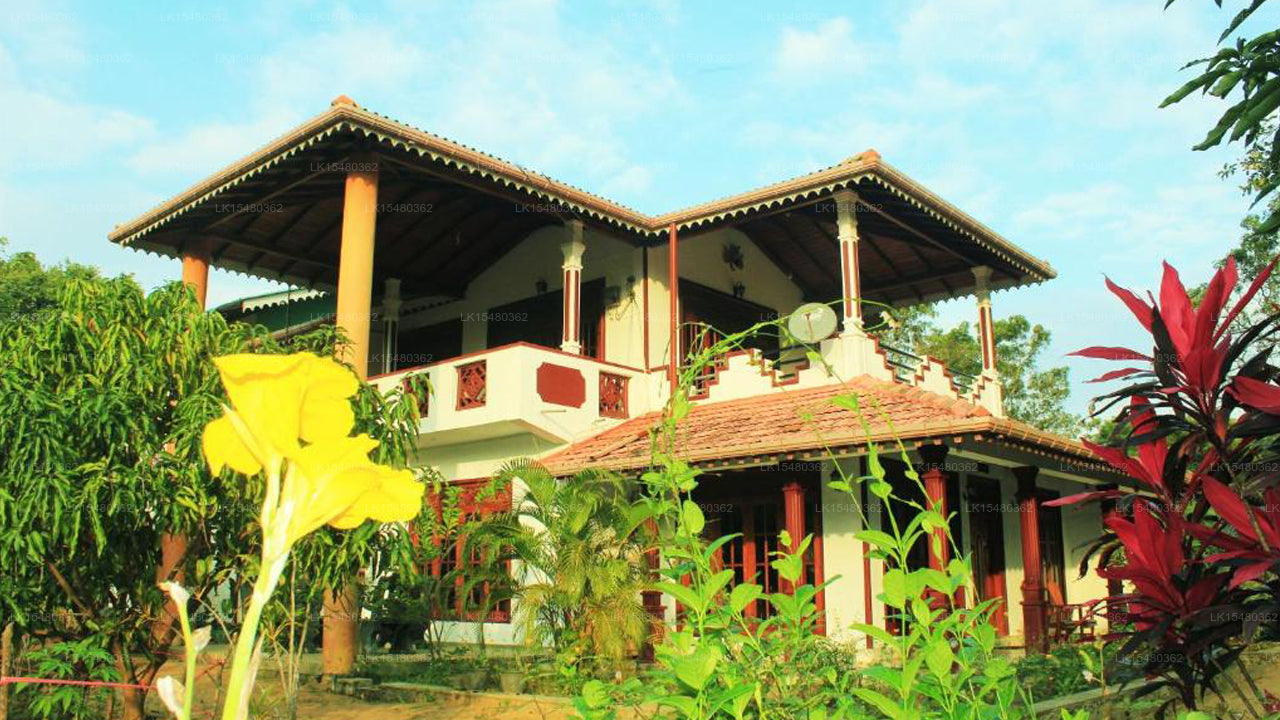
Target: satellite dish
point(812, 323)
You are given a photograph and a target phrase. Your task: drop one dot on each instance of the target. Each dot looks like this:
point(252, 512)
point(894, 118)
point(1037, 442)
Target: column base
point(341, 629)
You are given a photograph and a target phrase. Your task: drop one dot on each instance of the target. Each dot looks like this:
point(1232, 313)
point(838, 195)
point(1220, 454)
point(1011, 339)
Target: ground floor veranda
point(1023, 555)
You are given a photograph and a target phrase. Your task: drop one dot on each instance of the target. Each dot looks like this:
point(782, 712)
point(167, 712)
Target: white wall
point(538, 257)
point(842, 555)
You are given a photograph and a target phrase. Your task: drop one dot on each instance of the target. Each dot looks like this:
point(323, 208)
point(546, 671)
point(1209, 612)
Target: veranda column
point(391, 304)
point(851, 282)
point(355, 300)
point(173, 546)
point(195, 267)
point(793, 521)
point(986, 327)
point(1033, 599)
point(572, 248)
point(935, 487)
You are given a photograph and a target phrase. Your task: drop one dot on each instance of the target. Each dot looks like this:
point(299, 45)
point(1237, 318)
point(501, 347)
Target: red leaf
point(1114, 374)
point(1110, 353)
point(1215, 298)
point(1230, 507)
point(1176, 310)
point(1084, 497)
point(1250, 572)
point(1247, 296)
point(1140, 310)
point(1257, 394)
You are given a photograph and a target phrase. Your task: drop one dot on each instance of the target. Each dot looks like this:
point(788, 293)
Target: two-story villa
point(550, 322)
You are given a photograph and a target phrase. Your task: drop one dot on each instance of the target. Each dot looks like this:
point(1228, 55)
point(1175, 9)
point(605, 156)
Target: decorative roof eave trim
point(397, 135)
point(348, 117)
point(825, 182)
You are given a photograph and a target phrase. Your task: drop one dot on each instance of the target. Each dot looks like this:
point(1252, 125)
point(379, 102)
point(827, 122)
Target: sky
point(1038, 118)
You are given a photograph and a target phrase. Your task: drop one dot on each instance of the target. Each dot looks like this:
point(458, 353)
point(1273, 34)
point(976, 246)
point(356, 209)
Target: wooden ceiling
point(901, 259)
point(436, 230)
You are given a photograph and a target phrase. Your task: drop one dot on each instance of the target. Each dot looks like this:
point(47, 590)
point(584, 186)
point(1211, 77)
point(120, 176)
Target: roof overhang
point(276, 214)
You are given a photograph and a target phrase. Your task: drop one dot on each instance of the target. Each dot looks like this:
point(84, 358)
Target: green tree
point(580, 557)
point(1247, 73)
point(27, 287)
point(103, 400)
point(1031, 394)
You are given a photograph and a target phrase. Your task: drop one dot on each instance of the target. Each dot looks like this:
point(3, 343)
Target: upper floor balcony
point(521, 388)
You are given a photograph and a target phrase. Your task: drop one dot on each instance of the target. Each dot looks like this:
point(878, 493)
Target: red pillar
point(1033, 599)
point(571, 326)
point(673, 282)
point(793, 521)
point(986, 326)
point(935, 486)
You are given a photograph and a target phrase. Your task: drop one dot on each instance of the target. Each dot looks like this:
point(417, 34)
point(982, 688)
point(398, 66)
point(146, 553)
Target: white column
point(391, 304)
point(847, 234)
point(572, 247)
point(986, 327)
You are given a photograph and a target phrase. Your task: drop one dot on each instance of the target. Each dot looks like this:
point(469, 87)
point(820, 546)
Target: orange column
point(355, 301)
point(195, 267)
point(173, 546)
point(355, 271)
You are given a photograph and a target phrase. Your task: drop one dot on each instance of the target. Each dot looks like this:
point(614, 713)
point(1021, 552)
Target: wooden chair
point(1070, 622)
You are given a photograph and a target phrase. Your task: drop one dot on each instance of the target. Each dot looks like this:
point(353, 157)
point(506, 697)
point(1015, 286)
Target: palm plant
point(576, 550)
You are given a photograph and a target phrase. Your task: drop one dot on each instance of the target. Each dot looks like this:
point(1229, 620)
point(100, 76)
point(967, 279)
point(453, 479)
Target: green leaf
point(743, 595)
point(685, 595)
point(881, 703)
point(696, 668)
point(895, 588)
point(693, 519)
point(938, 657)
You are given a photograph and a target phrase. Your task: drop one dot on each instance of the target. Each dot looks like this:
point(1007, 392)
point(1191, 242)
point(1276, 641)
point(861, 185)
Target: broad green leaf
point(938, 657)
point(685, 595)
point(694, 521)
point(743, 595)
point(696, 668)
point(881, 703)
point(895, 588)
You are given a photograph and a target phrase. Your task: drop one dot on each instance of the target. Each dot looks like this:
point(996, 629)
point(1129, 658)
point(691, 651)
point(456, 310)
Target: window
point(474, 504)
point(538, 320)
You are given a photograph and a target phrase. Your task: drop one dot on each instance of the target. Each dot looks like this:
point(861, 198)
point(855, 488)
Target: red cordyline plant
point(1197, 433)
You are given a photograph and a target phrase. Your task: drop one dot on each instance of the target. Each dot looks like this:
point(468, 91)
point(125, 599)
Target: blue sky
point(1038, 118)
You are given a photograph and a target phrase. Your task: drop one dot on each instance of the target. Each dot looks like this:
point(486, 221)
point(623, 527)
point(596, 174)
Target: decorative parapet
point(745, 373)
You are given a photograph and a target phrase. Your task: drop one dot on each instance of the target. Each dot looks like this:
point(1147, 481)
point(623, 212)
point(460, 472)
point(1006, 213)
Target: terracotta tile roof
point(803, 420)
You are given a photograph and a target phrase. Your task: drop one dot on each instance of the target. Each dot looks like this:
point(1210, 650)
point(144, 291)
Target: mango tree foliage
point(103, 399)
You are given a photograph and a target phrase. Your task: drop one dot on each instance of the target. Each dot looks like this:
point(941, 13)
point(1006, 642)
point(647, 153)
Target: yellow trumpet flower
point(335, 483)
point(292, 413)
point(280, 400)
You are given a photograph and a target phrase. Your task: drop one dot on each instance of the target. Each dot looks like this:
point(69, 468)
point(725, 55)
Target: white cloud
point(818, 54)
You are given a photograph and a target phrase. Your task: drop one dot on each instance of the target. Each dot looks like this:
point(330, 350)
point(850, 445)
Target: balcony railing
point(519, 388)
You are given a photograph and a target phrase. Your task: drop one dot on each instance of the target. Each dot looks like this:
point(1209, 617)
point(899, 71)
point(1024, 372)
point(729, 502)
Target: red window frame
point(470, 507)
